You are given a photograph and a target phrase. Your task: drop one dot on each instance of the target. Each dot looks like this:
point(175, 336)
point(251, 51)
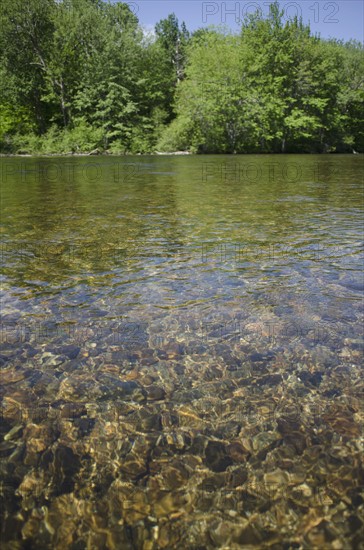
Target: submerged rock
point(217, 456)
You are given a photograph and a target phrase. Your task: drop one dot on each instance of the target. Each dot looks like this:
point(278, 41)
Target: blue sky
point(339, 19)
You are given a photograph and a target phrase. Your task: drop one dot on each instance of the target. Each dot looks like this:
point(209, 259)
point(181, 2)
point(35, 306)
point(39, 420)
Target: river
point(181, 351)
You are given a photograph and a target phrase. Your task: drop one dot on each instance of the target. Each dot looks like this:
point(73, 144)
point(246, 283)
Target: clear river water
point(181, 352)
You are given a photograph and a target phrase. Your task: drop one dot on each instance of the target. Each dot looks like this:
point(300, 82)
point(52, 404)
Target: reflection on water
point(181, 351)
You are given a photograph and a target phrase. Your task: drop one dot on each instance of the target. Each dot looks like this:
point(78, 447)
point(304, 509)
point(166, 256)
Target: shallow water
point(181, 352)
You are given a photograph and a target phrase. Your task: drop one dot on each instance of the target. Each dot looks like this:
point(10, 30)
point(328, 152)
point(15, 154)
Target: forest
point(78, 76)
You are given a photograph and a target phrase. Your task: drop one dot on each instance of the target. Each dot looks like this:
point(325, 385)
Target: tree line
point(76, 75)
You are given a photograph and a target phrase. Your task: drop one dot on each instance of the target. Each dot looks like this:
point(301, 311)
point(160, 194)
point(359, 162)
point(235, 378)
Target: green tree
point(351, 95)
point(171, 41)
point(274, 88)
point(26, 30)
point(79, 74)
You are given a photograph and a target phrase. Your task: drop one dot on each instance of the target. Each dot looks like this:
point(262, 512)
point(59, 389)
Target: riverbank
point(158, 153)
point(94, 153)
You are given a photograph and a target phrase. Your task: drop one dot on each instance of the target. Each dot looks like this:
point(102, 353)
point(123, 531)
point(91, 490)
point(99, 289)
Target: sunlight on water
point(181, 351)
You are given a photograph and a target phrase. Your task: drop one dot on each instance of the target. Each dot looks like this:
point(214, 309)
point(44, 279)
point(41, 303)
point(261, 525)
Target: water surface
point(181, 351)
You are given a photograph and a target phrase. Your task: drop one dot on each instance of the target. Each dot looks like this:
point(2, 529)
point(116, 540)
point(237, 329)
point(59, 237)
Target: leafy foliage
point(274, 88)
point(80, 74)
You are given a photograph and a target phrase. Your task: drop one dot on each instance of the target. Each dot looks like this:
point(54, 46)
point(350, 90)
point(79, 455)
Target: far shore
point(159, 153)
point(93, 154)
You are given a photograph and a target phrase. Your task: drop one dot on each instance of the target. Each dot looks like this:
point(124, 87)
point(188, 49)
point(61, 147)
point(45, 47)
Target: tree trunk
point(63, 104)
point(39, 113)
